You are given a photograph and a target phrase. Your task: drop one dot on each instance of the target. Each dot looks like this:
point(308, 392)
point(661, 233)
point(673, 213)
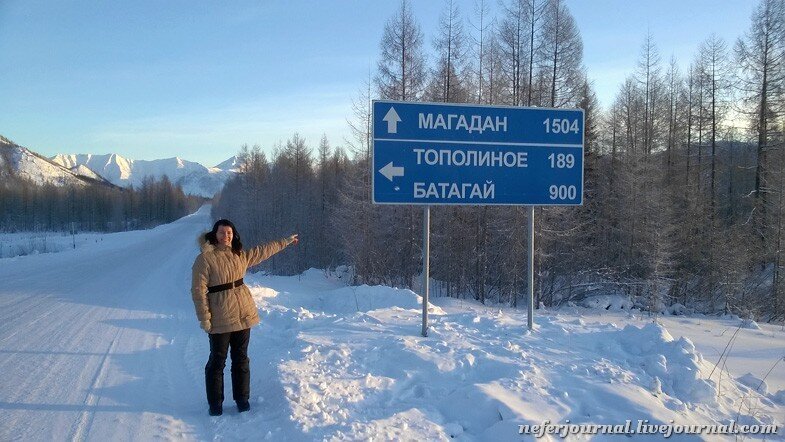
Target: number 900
point(563, 192)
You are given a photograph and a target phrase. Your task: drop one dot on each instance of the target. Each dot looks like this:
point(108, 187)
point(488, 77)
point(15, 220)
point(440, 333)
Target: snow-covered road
point(101, 343)
point(93, 340)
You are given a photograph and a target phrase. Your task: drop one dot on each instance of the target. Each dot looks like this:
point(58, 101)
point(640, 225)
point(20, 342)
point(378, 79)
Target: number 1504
point(560, 126)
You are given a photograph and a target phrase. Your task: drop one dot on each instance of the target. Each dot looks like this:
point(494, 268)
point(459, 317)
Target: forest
point(683, 194)
point(28, 206)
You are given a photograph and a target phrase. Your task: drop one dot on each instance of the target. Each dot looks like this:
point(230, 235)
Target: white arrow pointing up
point(391, 171)
point(392, 118)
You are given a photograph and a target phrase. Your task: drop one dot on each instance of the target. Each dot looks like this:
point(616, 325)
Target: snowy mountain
point(193, 177)
point(86, 171)
point(230, 164)
point(18, 161)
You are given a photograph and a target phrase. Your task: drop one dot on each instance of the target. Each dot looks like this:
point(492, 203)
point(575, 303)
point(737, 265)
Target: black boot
point(216, 410)
point(243, 406)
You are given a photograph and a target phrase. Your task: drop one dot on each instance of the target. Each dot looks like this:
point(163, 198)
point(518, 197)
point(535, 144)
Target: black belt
point(227, 286)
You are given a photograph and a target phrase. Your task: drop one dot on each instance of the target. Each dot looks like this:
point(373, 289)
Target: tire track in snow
point(52, 349)
point(82, 425)
point(14, 301)
point(22, 318)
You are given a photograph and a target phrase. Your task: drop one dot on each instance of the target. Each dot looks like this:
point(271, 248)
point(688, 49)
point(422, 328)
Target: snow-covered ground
point(32, 243)
point(101, 343)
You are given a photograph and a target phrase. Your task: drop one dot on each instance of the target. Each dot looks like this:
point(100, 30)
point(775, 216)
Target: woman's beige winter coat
point(233, 309)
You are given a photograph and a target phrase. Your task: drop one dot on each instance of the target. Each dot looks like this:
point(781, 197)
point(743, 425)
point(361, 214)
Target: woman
point(225, 308)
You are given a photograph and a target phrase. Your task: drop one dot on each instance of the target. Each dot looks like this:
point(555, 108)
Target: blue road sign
point(436, 153)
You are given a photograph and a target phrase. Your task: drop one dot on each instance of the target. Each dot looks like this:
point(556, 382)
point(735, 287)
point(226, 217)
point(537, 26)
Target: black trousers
point(241, 372)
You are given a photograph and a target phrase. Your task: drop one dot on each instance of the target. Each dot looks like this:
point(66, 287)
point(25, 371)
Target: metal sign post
point(426, 264)
point(530, 295)
point(461, 154)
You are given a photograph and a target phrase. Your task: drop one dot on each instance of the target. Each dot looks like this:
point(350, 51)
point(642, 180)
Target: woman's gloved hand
point(206, 326)
point(292, 239)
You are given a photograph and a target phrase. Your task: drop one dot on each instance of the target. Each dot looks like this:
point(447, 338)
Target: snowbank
point(34, 243)
point(608, 302)
point(754, 382)
point(351, 364)
point(334, 298)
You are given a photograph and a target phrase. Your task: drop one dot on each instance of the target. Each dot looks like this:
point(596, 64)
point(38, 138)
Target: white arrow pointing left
point(392, 118)
point(391, 171)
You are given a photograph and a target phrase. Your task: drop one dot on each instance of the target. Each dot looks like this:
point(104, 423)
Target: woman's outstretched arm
point(263, 251)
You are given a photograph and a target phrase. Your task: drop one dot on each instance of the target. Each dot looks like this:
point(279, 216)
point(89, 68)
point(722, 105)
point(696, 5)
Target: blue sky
point(197, 79)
